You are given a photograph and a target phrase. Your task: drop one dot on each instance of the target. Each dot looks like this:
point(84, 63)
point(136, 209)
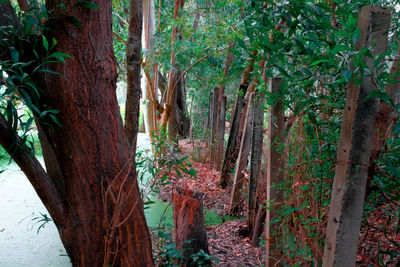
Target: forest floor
point(228, 242)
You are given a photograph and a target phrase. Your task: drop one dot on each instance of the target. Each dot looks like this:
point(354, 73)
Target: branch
point(35, 173)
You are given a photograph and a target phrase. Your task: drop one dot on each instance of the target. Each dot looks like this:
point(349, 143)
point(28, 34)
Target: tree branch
point(35, 173)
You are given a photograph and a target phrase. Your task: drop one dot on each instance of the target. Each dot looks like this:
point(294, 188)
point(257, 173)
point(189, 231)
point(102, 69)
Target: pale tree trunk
point(354, 147)
point(90, 187)
point(172, 75)
point(133, 64)
point(148, 88)
point(274, 175)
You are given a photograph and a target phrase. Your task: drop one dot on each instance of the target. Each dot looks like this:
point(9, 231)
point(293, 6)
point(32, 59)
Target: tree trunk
point(231, 152)
point(256, 153)
point(149, 106)
point(99, 213)
point(274, 177)
point(214, 124)
point(355, 146)
point(221, 132)
point(190, 231)
point(133, 58)
point(245, 146)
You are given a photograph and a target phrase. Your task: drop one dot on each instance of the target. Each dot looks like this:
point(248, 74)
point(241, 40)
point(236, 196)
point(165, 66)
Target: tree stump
point(190, 231)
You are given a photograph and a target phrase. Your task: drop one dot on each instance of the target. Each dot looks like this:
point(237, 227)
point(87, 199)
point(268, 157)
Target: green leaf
point(320, 61)
point(240, 42)
point(74, 21)
point(59, 55)
point(356, 35)
point(45, 43)
point(347, 75)
point(14, 55)
point(87, 4)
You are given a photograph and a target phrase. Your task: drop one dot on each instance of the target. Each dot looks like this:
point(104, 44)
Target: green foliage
point(25, 53)
point(167, 255)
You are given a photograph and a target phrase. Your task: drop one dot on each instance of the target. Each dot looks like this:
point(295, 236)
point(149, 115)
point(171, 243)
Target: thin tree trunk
point(256, 153)
point(149, 106)
point(355, 146)
point(133, 58)
point(231, 152)
point(214, 123)
point(245, 146)
point(221, 132)
point(274, 177)
point(172, 77)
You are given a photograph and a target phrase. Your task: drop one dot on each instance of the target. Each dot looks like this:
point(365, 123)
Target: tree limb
point(35, 173)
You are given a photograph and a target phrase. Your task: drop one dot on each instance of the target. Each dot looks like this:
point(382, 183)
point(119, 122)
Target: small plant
point(42, 220)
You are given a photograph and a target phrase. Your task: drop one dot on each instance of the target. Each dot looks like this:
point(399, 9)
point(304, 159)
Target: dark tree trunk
point(231, 152)
point(221, 132)
point(245, 146)
point(256, 152)
point(214, 124)
point(179, 122)
point(133, 63)
point(90, 186)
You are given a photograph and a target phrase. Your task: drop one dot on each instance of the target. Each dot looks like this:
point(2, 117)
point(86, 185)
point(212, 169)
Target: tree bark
point(245, 146)
point(214, 124)
point(273, 168)
point(355, 146)
point(256, 153)
point(231, 152)
point(221, 132)
point(99, 214)
point(149, 106)
point(190, 231)
point(133, 63)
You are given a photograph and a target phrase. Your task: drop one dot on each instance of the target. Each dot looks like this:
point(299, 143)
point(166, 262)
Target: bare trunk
point(214, 123)
point(274, 177)
point(221, 132)
point(245, 146)
point(256, 153)
point(231, 152)
point(355, 146)
point(149, 106)
point(133, 54)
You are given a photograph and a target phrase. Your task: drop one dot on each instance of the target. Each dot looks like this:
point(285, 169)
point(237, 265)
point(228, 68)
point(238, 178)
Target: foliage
point(168, 255)
point(21, 66)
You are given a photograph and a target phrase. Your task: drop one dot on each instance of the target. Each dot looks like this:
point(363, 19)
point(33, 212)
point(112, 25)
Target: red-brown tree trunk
point(90, 186)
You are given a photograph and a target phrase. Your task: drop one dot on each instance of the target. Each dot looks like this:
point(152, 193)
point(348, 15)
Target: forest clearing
point(200, 133)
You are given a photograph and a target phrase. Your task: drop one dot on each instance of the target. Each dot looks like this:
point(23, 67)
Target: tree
point(89, 186)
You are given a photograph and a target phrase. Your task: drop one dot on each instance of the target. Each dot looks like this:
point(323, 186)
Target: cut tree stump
point(190, 231)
